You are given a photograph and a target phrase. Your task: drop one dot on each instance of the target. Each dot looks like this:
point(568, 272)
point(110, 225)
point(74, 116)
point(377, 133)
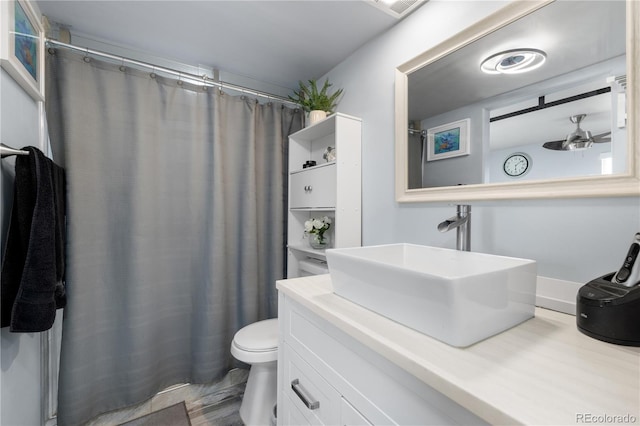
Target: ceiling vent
point(621, 80)
point(397, 8)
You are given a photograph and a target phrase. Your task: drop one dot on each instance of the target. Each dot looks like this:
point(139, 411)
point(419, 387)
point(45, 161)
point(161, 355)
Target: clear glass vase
point(319, 242)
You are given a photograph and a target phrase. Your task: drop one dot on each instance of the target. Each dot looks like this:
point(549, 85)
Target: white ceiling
point(573, 34)
point(277, 42)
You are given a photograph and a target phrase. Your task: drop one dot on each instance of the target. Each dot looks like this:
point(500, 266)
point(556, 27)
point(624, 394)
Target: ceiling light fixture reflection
point(514, 61)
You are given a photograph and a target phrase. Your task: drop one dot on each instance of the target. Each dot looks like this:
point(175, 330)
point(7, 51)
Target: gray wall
point(20, 385)
point(572, 239)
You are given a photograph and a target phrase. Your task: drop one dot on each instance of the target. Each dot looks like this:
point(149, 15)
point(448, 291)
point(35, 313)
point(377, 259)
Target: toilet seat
point(257, 342)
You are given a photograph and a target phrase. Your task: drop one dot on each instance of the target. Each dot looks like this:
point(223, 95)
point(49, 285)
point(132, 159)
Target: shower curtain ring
point(122, 67)
point(153, 73)
point(86, 58)
point(179, 79)
point(204, 81)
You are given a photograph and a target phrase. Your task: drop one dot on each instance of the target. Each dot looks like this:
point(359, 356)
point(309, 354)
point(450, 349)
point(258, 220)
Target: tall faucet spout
point(451, 223)
point(462, 223)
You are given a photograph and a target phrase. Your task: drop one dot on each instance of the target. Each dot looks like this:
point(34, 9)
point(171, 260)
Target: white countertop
point(543, 371)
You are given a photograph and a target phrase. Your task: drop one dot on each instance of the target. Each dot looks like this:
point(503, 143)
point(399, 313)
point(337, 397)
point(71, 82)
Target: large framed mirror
point(554, 114)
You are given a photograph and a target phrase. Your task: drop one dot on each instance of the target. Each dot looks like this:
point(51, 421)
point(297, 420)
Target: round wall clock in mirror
point(517, 164)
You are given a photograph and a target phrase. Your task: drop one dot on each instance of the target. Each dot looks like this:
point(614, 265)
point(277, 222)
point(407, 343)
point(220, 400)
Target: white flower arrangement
point(317, 226)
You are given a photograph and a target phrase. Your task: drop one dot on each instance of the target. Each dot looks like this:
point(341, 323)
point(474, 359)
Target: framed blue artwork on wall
point(22, 46)
point(448, 140)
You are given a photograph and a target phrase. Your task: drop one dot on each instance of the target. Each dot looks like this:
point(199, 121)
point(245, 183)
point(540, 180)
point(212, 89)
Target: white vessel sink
point(457, 297)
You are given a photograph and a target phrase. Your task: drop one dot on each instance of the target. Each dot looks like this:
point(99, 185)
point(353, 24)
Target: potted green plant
point(317, 102)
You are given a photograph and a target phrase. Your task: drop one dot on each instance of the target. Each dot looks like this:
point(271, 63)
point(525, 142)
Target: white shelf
point(317, 166)
point(313, 209)
point(307, 250)
point(327, 189)
point(321, 128)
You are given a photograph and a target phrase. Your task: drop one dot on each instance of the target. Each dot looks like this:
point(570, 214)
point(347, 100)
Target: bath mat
point(175, 415)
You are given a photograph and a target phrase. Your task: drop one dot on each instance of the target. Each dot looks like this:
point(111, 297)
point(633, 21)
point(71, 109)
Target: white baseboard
point(557, 295)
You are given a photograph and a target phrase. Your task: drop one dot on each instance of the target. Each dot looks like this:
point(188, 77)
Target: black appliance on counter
point(609, 311)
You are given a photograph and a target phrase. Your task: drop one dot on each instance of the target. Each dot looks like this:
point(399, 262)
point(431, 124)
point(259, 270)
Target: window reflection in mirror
point(522, 113)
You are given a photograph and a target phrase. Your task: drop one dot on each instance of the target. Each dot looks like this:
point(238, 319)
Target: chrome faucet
point(462, 222)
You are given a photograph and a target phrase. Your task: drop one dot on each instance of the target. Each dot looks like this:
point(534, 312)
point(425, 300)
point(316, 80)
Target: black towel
point(33, 266)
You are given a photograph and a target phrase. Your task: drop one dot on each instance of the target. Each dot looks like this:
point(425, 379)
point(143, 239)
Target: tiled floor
point(211, 405)
point(223, 413)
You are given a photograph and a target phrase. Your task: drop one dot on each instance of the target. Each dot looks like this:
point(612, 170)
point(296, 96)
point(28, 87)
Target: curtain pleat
point(176, 228)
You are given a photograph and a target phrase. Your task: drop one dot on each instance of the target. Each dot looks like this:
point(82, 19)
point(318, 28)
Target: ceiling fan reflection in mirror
point(579, 139)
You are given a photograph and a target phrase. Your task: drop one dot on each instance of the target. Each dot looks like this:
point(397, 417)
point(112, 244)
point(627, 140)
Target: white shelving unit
point(332, 189)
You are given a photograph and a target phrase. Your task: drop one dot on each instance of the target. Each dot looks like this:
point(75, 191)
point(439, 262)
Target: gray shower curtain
point(176, 200)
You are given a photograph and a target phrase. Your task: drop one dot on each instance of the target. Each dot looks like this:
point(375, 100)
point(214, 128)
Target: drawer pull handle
point(304, 395)
point(308, 188)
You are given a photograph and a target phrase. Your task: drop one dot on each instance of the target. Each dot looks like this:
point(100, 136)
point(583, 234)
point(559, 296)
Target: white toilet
point(257, 345)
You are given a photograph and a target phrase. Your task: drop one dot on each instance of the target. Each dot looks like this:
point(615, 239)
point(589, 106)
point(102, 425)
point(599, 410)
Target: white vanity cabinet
point(364, 368)
point(326, 377)
point(330, 188)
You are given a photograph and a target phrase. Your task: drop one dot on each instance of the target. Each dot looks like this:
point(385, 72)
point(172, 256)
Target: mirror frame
point(619, 185)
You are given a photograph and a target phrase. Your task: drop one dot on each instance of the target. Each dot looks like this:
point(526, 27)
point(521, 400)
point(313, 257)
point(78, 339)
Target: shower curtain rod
point(200, 79)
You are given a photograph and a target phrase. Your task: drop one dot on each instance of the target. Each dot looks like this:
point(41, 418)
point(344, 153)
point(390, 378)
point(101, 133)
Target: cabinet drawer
point(289, 414)
point(313, 187)
point(308, 392)
point(352, 417)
